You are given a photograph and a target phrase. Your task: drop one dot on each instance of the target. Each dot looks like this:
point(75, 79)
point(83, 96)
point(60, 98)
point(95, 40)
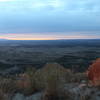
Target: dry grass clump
point(7, 85)
point(7, 88)
point(25, 83)
point(30, 72)
point(79, 77)
point(1, 95)
point(53, 72)
point(54, 90)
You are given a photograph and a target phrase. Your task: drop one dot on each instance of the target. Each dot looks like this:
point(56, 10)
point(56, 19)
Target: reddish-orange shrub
point(94, 73)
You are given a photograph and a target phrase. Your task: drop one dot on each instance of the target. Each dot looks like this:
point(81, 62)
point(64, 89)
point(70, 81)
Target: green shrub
point(52, 71)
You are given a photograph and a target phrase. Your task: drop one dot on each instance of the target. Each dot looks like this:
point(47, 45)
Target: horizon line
point(50, 39)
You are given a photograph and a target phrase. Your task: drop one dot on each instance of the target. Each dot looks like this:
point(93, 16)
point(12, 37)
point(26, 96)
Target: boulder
point(36, 96)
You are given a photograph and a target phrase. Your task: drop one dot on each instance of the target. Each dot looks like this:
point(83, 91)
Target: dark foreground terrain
point(51, 82)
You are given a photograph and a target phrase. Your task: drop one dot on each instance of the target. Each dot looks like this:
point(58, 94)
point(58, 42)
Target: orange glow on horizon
point(45, 37)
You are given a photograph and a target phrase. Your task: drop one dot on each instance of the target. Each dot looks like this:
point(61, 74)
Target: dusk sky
point(49, 19)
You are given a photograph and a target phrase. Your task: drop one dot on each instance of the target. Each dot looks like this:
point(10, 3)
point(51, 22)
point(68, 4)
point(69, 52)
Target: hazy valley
point(73, 54)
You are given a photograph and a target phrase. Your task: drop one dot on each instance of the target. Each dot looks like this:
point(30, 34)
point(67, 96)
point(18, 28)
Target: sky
point(49, 19)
